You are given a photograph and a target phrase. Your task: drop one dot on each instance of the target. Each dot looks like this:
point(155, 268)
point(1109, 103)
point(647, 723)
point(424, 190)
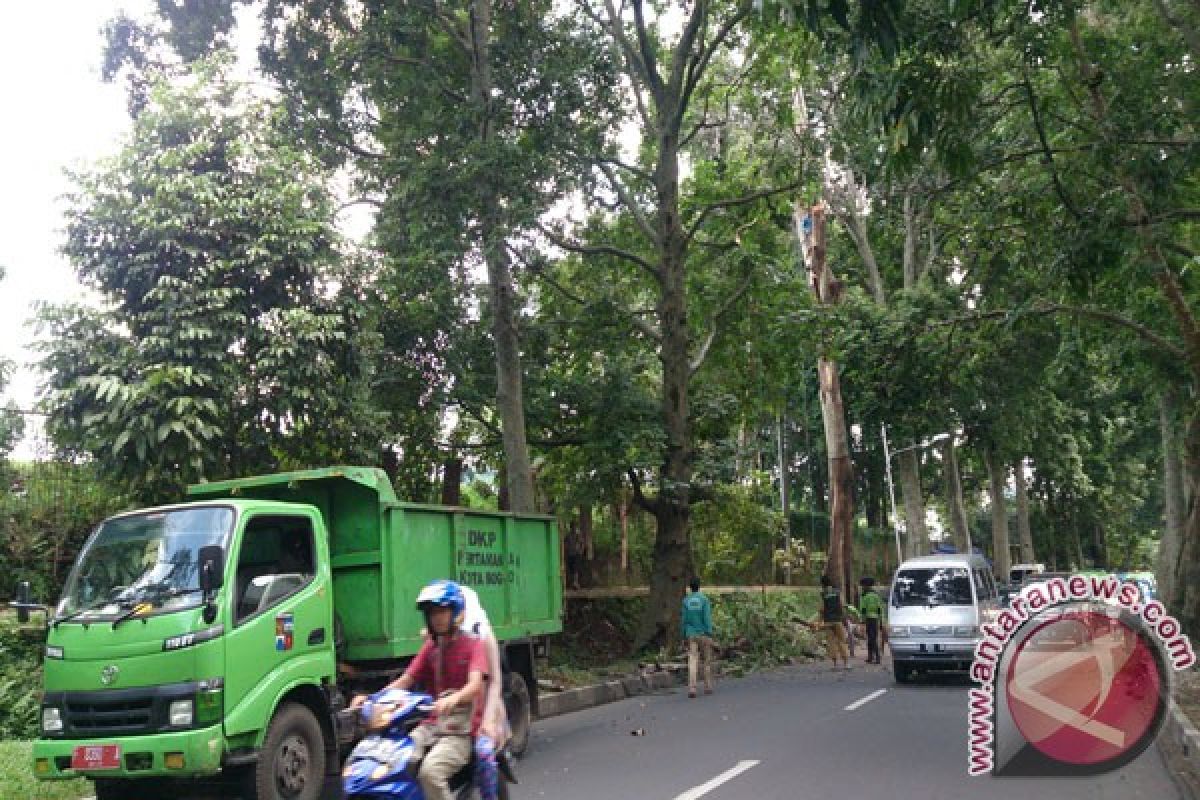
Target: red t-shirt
point(462, 655)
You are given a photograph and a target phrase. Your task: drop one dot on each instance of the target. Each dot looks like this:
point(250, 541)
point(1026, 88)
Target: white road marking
point(865, 700)
point(724, 777)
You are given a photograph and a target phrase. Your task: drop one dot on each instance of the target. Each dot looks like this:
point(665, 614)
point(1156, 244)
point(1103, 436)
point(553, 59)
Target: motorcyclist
point(454, 665)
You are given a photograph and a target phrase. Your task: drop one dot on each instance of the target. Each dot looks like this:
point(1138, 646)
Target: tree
point(227, 340)
point(680, 84)
point(456, 118)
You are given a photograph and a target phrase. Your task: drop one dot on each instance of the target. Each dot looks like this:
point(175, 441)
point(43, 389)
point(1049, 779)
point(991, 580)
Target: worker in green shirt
point(870, 608)
point(696, 620)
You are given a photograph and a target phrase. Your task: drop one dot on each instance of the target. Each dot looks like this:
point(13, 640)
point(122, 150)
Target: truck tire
point(291, 765)
point(903, 672)
point(520, 713)
point(131, 789)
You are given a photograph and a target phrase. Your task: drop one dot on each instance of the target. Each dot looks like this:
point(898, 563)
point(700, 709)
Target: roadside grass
point(17, 781)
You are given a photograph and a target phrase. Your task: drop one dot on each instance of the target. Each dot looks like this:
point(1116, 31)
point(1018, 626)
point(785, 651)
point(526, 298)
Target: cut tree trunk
point(1169, 546)
point(1024, 533)
point(916, 534)
point(997, 479)
point(954, 498)
point(828, 291)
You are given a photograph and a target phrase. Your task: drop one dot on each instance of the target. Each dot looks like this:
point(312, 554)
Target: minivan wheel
point(903, 672)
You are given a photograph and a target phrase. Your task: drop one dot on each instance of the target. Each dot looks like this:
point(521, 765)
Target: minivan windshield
point(933, 586)
point(149, 558)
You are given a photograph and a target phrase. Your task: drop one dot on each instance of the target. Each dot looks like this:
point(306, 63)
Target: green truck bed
point(383, 551)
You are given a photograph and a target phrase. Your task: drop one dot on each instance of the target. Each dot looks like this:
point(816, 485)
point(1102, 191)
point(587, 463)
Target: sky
point(57, 113)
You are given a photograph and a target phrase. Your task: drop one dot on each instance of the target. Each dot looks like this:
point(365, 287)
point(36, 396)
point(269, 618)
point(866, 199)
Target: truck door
point(281, 613)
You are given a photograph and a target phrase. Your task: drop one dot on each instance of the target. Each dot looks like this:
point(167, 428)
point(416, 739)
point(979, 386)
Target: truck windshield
point(935, 586)
point(143, 559)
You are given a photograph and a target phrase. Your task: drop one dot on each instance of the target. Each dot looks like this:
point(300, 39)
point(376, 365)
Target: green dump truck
point(220, 639)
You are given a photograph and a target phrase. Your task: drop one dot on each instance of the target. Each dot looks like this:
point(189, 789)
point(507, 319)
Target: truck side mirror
point(212, 568)
point(212, 577)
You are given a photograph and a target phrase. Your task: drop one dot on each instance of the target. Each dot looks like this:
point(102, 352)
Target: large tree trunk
point(1171, 543)
point(622, 509)
point(1187, 579)
point(672, 510)
point(954, 498)
point(916, 534)
point(828, 291)
point(785, 497)
point(510, 402)
point(452, 470)
point(997, 478)
point(1024, 533)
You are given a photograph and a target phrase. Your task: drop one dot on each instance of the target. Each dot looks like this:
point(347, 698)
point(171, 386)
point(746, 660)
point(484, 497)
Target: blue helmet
point(446, 594)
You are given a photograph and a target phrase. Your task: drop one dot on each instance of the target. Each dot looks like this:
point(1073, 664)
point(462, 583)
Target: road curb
point(1179, 743)
point(565, 702)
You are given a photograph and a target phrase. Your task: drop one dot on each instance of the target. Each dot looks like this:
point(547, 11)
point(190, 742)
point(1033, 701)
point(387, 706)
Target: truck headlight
point(898, 631)
point(51, 720)
point(181, 713)
point(967, 631)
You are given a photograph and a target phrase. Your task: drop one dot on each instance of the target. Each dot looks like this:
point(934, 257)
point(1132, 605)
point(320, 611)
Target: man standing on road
point(833, 617)
point(697, 633)
point(870, 606)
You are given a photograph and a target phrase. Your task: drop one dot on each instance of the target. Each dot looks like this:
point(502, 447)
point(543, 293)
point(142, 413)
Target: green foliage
point(230, 337)
point(20, 681)
point(734, 535)
point(47, 510)
point(18, 782)
point(765, 629)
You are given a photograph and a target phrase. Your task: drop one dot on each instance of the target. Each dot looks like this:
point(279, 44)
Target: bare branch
point(699, 65)
point(649, 62)
point(630, 168)
point(714, 322)
point(633, 66)
point(451, 27)
point(600, 250)
point(708, 209)
point(636, 321)
point(638, 496)
point(630, 204)
point(681, 61)
point(1099, 314)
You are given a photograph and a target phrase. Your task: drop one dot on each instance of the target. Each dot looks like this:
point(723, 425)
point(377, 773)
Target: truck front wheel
point(291, 765)
point(520, 713)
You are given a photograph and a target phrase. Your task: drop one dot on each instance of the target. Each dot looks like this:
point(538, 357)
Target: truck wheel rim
point(291, 770)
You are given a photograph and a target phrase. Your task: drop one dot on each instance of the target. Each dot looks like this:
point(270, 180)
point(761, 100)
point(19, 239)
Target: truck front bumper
point(176, 754)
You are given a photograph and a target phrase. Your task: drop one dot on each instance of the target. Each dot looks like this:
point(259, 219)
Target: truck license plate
point(96, 756)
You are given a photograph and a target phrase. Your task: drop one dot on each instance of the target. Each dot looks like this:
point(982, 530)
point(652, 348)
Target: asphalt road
point(787, 735)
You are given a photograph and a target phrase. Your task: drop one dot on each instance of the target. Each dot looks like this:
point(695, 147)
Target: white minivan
point(935, 608)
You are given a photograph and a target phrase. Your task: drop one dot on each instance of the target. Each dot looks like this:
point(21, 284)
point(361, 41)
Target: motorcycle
point(383, 765)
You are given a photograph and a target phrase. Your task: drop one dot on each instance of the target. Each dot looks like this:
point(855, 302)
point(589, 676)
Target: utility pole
point(887, 460)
